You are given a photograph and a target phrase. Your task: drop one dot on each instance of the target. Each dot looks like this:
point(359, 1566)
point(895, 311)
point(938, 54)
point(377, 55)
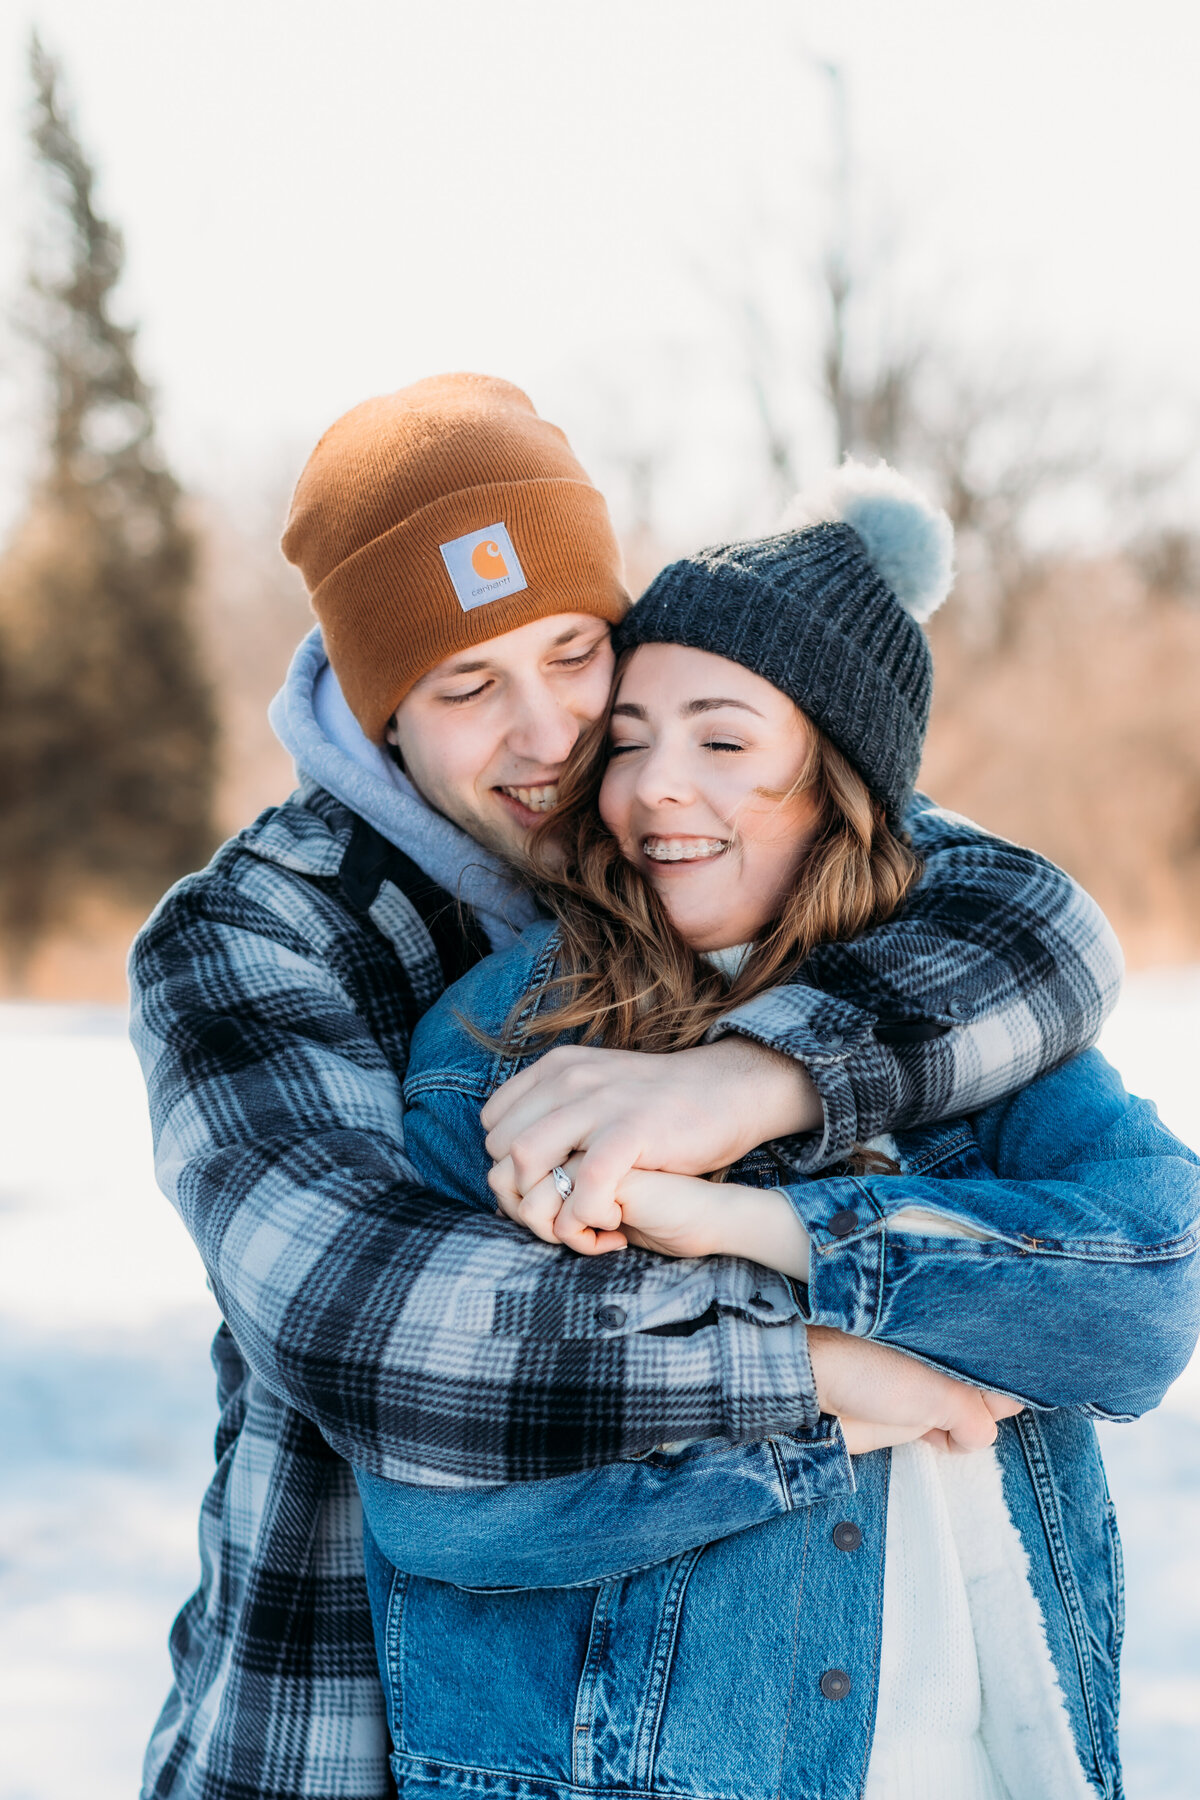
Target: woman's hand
point(557, 1221)
point(677, 1215)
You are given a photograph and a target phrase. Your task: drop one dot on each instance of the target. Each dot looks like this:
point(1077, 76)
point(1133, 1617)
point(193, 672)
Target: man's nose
point(544, 730)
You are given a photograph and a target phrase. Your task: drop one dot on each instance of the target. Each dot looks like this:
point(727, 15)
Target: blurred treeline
point(119, 716)
point(143, 631)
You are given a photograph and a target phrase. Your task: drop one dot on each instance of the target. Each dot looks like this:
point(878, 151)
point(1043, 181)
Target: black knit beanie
point(828, 610)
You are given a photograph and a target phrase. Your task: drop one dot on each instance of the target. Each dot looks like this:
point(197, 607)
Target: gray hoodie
point(312, 721)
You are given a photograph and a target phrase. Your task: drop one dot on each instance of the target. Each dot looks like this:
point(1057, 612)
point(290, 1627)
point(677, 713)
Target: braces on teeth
point(692, 851)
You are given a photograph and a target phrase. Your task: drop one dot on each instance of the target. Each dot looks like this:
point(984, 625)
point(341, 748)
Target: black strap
point(370, 860)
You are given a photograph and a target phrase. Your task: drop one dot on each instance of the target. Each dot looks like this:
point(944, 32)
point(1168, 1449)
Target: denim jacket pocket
point(555, 1686)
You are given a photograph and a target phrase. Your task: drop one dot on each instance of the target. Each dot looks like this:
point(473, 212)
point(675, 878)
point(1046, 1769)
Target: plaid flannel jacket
point(274, 994)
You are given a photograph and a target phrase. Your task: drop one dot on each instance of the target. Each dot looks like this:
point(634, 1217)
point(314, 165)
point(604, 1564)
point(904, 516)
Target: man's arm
point(998, 969)
point(425, 1341)
point(1070, 1273)
point(612, 1520)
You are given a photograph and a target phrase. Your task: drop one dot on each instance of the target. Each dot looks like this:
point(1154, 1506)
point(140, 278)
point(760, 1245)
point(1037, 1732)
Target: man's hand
point(687, 1112)
point(883, 1397)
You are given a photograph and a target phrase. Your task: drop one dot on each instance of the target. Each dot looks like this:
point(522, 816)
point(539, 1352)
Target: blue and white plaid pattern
point(368, 1320)
point(1016, 964)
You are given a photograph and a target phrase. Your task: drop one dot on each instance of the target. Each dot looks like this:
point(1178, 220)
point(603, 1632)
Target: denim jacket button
point(846, 1535)
point(843, 1223)
point(610, 1316)
point(835, 1684)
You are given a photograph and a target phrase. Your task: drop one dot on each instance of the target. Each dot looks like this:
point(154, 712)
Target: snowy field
point(106, 1415)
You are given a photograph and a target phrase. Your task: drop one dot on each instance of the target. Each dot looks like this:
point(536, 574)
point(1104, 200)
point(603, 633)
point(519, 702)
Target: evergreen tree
point(108, 732)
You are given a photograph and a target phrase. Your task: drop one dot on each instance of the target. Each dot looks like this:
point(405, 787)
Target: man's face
point(484, 735)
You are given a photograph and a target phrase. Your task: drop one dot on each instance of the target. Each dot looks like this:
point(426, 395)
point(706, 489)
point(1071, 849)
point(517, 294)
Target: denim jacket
point(698, 1622)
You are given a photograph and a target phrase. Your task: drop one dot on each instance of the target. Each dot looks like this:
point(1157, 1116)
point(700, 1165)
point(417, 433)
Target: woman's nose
point(662, 779)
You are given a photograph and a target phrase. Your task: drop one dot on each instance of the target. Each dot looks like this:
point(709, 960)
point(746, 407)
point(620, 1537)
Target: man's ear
point(390, 746)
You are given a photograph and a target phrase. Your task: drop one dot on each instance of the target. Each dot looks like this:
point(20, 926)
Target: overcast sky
point(323, 201)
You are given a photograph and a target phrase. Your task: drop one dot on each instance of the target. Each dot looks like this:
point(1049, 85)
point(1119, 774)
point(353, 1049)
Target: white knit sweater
point(927, 1738)
point(969, 1704)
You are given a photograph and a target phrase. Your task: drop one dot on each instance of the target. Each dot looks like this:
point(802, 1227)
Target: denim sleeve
point(998, 968)
point(603, 1522)
point(444, 1141)
point(1079, 1282)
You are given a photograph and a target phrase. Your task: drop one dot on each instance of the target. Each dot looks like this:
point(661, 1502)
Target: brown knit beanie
point(437, 517)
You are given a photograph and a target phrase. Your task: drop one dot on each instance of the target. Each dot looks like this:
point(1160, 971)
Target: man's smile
point(528, 804)
point(537, 799)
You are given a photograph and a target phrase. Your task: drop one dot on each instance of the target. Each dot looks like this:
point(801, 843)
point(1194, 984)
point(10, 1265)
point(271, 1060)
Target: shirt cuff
point(830, 1038)
point(846, 1255)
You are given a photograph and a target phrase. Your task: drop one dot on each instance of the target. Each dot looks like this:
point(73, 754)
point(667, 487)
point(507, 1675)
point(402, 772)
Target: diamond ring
point(563, 1182)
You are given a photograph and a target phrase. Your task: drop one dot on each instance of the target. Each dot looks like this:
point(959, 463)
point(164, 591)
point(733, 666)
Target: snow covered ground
point(106, 1415)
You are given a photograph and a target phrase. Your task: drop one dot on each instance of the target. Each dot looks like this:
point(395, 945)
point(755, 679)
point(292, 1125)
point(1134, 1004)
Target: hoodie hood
point(312, 721)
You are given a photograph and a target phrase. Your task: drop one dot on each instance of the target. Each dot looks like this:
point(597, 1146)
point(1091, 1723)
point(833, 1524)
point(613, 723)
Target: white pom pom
point(909, 541)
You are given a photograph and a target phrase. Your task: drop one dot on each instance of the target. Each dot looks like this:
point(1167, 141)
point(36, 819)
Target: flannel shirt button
point(958, 1009)
point(843, 1223)
point(761, 1300)
point(222, 1037)
point(610, 1316)
point(835, 1040)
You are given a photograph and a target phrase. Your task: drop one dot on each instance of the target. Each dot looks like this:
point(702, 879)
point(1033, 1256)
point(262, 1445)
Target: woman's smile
point(683, 849)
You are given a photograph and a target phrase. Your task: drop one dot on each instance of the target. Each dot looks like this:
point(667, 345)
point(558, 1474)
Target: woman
point(710, 1618)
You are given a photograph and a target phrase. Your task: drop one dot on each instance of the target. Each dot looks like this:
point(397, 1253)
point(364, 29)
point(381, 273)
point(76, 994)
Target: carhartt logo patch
point(483, 566)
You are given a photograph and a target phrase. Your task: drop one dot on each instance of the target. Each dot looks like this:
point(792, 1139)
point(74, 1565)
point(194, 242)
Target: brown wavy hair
point(625, 978)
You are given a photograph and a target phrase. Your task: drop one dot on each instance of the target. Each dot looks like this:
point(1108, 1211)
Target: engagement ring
point(563, 1182)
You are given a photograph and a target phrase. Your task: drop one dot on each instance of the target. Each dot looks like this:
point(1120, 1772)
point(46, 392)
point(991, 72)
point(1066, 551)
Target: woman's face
point(700, 751)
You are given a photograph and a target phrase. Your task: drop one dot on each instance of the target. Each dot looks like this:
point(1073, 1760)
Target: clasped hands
point(612, 1119)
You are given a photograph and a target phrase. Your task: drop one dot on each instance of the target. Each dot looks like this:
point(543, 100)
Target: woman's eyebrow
point(703, 706)
point(628, 709)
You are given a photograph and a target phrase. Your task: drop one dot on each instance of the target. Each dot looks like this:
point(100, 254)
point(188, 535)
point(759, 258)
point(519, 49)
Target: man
point(464, 573)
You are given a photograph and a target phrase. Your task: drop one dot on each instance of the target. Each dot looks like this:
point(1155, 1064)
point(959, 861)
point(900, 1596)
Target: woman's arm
point(1073, 1276)
point(1049, 1253)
